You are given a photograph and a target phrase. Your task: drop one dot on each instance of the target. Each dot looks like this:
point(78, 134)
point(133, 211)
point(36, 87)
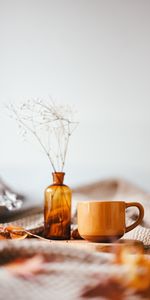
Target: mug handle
point(140, 217)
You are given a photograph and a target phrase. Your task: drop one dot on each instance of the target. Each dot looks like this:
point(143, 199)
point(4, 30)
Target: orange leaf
point(12, 232)
point(26, 267)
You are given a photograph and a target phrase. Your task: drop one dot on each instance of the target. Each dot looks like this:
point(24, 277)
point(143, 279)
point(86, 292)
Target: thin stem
point(36, 236)
point(37, 137)
point(66, 148)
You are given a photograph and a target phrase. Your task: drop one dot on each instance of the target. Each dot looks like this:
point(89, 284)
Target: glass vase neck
point(58, 177)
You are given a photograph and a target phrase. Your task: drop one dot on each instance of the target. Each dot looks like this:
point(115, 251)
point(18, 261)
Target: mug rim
point(100, 201)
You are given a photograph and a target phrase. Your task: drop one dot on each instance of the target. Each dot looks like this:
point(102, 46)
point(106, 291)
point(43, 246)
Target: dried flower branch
point(52, 126)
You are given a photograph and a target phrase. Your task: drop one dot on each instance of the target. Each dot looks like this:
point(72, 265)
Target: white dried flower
point(51, 125)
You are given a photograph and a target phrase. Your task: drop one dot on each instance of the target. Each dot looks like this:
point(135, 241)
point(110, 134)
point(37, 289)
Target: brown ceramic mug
point(104, 221)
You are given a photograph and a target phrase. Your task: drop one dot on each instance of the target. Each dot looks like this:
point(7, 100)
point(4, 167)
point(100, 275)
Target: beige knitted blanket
point(54, 271)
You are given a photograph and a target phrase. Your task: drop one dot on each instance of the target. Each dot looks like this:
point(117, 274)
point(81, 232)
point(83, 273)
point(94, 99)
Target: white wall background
point(93, 54)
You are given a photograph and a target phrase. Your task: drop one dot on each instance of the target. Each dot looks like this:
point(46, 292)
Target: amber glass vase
point(57, 209)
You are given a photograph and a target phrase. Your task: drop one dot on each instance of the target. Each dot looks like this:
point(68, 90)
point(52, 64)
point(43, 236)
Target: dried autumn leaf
point(138, 265)
point(26, 267)
point(12, 232)
point(17, 232)
point(124, 251)
point(106, 289)
point(2, 237)
point(3, 233)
